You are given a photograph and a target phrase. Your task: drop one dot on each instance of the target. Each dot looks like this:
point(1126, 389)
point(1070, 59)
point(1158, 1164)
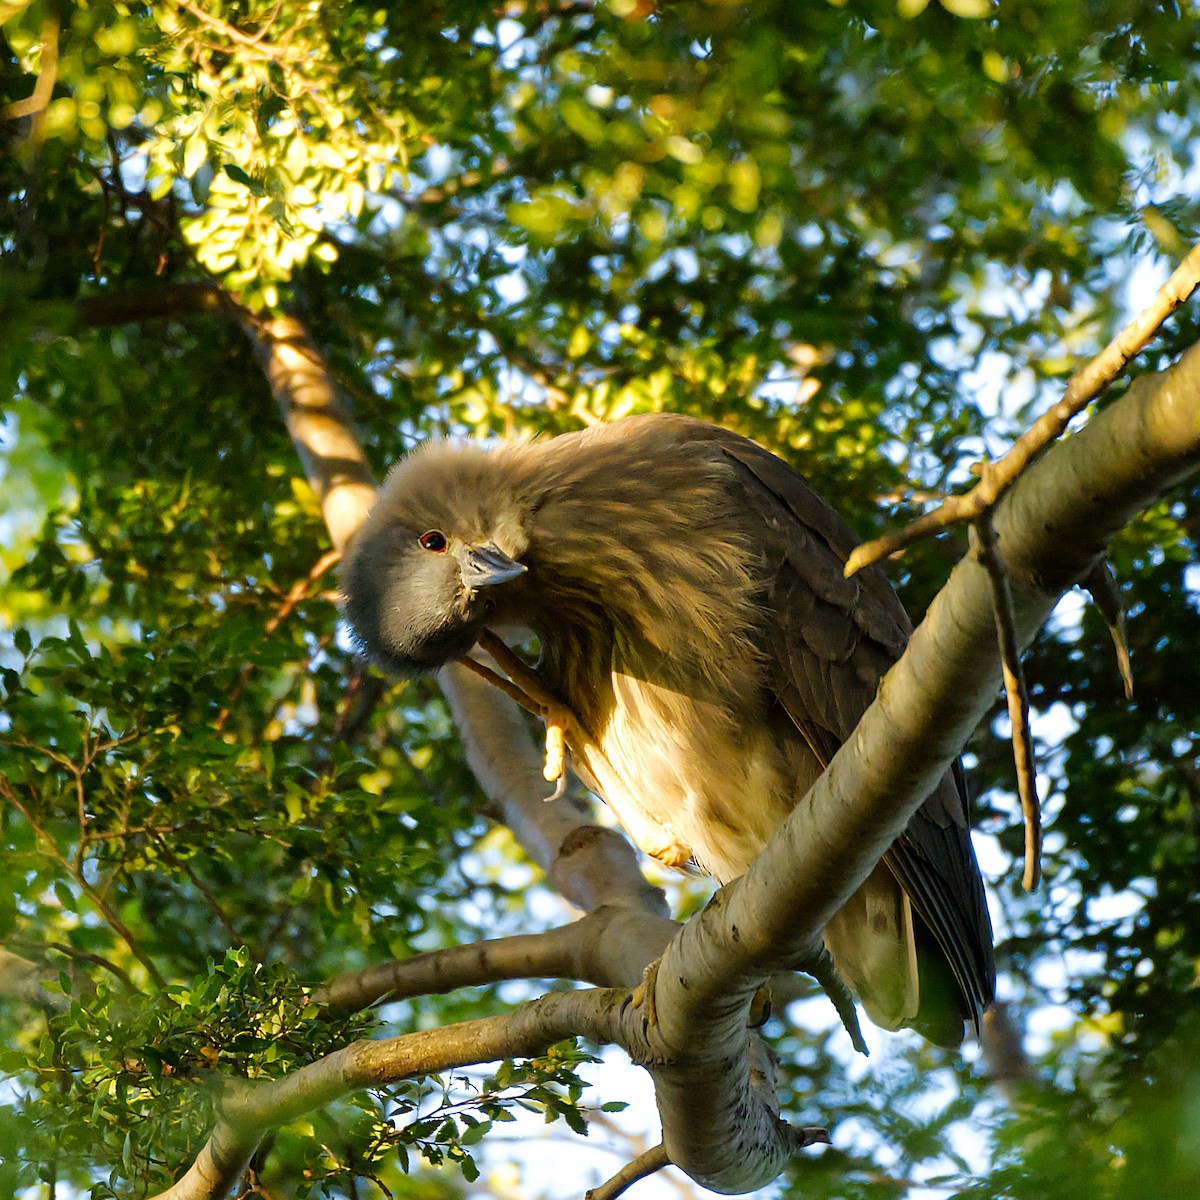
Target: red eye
point(434, 540)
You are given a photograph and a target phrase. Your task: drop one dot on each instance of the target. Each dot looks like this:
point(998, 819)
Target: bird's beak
point(488, 565)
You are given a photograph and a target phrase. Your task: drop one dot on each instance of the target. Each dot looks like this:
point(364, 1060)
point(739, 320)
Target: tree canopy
point(877, 237)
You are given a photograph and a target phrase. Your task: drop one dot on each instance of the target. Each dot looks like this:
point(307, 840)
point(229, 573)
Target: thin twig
point(996, 478)
point(250, 41)
point(297, 592)
point(642, 1167)
point(34, 105)
point(95, 959)
point(1102, 588)
point(92, 893)
point(633, 1145)
point(1018, 702)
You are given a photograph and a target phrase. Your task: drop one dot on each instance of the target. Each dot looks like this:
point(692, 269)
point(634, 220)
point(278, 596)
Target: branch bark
point(317, 418)
point(642, 1167)
point(996, 478)
point(607, 948)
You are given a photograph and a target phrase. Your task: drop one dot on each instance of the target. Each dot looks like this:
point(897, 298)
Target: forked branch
point(996, 478)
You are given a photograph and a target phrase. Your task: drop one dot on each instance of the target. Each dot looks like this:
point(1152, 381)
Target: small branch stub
point(1102, 587)
point(803, 1136)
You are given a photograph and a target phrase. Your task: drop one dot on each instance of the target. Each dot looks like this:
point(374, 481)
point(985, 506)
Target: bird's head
point(431, 563)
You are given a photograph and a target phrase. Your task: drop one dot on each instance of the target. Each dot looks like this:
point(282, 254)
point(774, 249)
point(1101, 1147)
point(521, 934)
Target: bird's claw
point(670, 854)
point(642, 996)
point(560, 790)
point(556, 746)
point(760, 1008)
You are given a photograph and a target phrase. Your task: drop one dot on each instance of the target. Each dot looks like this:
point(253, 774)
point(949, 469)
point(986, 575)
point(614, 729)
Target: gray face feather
point(402, 602)
point(411, 608)
point(415, 600)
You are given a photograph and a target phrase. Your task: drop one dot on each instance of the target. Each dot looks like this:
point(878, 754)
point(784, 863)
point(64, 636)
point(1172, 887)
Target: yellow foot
point(760, 1008)
point(556, 749)
point(642, 996)
point(672, 854)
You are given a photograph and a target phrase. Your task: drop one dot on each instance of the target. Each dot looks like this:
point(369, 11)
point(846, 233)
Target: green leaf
point(66, 896)
point(474, 1132)
point(239, 176)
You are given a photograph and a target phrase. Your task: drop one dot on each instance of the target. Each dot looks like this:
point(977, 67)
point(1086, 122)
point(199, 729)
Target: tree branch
point(607, 948)
point(642, 1167)
point(317, 418)
point(248, 1112)
point(713, 1079)
point(34, 105)
point(1106, 596)
point(996, 478)
point(1018, 701)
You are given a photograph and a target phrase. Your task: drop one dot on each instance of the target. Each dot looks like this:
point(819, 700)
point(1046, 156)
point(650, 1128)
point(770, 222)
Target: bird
point(687, 591)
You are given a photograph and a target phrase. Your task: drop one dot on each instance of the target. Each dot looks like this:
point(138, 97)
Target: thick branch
point(318, 420)
point(608, 948)
point(1050, 531)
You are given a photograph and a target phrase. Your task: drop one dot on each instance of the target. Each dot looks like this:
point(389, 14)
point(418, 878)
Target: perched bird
point(687, 591)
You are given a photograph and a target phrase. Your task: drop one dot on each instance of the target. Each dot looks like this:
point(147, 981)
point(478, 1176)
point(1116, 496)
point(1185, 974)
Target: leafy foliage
point(874, 236)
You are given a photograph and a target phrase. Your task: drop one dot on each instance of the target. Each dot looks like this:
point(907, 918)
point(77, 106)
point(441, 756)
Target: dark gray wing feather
point(833, 638)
